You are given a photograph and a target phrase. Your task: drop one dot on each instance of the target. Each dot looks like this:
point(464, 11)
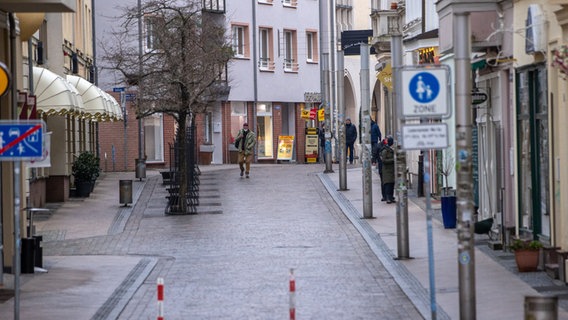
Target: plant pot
point(449, 215)
point(83, 188)
point(527, 260)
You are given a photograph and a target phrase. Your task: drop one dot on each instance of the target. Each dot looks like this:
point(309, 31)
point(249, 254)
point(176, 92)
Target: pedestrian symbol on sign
point(424, 87)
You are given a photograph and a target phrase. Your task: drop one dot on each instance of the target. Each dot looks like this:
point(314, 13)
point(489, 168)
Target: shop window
point(238, 117)
point(264, 129)
point(154, 138)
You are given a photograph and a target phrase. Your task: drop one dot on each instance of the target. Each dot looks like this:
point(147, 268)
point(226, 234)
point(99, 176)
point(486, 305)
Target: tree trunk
point(182, 158)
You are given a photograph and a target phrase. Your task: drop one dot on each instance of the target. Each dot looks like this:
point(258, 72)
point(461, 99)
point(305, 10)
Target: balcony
point(386, 23)
point(214, 6)
point(38, 5)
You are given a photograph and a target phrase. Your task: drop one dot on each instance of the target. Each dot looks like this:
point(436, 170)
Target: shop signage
point(285, 147)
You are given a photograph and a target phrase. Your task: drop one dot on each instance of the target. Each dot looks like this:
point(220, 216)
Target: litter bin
point(541, 308)
point(27, 256)
point(140, 168)
point(38, 250)
point(125, 194)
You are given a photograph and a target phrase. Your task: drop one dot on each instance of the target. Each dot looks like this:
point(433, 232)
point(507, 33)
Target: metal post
point(16, 177)
point(365, 132)
point(466, 249)
point(332, 68)
point(340, 119)
point(141, 161)
point(400, 168)
point(123, 105)
point(327, 107)
point(431, 268)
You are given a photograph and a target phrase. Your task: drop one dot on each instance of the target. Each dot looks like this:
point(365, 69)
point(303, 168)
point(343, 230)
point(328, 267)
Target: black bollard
point(38, 250)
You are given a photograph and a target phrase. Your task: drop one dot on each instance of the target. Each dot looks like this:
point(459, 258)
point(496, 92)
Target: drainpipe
point(16, 178)
point(255, 75)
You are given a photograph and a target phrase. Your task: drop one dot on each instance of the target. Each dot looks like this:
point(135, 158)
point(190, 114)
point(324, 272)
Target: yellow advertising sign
point(385, 76)
point(321, 114)
point(305, 114)
point(4, 79)
point(312, 146)
point(285, 147)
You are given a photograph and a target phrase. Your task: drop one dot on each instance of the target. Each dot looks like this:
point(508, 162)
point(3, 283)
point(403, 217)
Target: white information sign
point(425, 136)
point(425, 92)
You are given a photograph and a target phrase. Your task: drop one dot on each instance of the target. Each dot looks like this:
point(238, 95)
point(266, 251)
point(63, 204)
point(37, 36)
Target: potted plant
point(527, 253)
point(85, 169)
point(449, 215)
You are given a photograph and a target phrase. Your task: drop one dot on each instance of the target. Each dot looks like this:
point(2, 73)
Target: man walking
point(245, 142)
point(350, 138)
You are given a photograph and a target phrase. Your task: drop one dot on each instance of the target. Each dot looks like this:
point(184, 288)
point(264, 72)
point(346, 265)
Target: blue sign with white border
point(425, 92)
point(21, 140)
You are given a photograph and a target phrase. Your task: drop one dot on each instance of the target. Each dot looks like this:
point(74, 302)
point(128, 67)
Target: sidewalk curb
point(408, 283)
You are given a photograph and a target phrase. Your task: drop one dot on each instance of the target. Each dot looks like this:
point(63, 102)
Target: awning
point(55, 95)
point(115, 106)
point(97, 106)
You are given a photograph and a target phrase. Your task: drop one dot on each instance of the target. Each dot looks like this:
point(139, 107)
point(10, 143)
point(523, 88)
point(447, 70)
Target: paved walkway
point(71, 279)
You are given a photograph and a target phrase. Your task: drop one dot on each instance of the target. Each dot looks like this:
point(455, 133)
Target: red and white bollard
point(160, 290)
point(292, 295)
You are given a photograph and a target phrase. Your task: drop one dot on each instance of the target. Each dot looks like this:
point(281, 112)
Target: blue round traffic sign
point(424, 87)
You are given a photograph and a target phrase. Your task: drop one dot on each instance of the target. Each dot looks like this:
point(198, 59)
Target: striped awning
point(55, 95)
point(97, 106)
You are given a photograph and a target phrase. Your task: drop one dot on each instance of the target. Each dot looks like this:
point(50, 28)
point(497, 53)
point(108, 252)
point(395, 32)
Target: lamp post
point(141, 161)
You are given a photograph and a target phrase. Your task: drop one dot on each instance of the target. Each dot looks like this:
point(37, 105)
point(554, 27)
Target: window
point(208, 128)
point(238, 117)
point(311, 46)
point(151, 41)
point(264, 127)
point(266, 54)
point(153, 138)
point(290, 3)
point(290, 51)
point(240, 40)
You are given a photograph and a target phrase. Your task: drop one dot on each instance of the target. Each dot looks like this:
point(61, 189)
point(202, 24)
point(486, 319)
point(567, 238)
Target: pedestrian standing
point(388, 178)
point(245, 142)
point(350, 138)
point(376, 138)
point(382, 144)
point(321, 136)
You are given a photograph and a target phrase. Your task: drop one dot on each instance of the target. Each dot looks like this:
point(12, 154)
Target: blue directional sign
point(21, 140)
point(425, 92)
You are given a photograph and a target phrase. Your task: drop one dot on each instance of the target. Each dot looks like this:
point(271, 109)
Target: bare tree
point(179, 72)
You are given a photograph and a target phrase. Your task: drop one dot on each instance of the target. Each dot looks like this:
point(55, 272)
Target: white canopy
point(55, 95)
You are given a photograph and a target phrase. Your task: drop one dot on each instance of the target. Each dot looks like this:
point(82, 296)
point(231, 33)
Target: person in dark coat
point(376, 138)
point(388, 175)
point(382, 144)
point(321, 135)
point(350, 138)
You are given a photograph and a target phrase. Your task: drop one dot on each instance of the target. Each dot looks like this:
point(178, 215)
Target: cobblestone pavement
point(232, 260)
point(235, 264)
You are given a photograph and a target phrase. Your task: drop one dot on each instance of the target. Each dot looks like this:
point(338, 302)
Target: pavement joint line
point(118, 300)
point(408, 283)
point(119, 223)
